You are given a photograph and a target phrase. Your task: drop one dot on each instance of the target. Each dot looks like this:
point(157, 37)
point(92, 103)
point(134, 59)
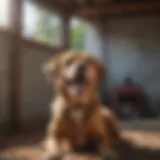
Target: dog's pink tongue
point(81, 87)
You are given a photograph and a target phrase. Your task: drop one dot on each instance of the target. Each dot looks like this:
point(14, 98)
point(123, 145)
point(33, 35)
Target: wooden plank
point(15, 64)
point(81, 2)
point(90, 3)
point(99, 2)
point(57, 6)
point(41, 46)
point(65, 32)
point(114, 9)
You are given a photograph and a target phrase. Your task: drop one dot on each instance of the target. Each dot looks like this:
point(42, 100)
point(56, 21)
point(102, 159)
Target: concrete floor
point(141, 124)
point(138, 144)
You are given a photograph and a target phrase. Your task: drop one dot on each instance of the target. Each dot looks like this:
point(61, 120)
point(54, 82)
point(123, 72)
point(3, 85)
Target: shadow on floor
point(128, 151)
point(25, 144)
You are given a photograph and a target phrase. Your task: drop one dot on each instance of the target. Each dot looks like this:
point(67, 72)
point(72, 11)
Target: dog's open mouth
point(78, 86)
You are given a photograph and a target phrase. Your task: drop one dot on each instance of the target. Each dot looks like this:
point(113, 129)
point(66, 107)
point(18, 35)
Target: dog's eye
point(87, 61)
point(69, 62)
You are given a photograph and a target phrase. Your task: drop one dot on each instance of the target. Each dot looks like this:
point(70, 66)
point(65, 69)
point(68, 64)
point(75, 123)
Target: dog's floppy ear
point(101, 71)
point(50, 68)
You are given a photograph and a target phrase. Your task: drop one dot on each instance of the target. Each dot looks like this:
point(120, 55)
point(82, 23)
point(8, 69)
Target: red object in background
point(128, 90)
point(132, 95)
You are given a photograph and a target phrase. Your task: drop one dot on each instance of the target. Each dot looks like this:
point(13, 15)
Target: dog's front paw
point(111, 157)
point(46, 156)
point(82, 156)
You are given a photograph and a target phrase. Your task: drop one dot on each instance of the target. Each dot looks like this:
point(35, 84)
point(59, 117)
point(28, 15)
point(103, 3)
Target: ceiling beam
point(118, 9)
point(86, 3)
point(90, 3)
point(58, 6)
point(74, 3)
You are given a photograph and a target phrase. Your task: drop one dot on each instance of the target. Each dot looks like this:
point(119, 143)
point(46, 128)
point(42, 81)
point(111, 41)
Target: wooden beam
point(103, 2)
point(57, 6)
point(119, 9)
point(15, 64)
point(74, 3)
point(90, 3)
point(87, 3)
point(65, 32)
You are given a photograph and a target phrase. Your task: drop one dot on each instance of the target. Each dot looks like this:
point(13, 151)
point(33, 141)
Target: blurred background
point(123, 34)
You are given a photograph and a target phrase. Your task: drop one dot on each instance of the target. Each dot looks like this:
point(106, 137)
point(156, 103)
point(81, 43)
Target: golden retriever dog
point(78, 119)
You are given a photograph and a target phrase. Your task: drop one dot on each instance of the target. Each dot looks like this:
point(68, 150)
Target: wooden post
point(15, 64)
point(65, 32)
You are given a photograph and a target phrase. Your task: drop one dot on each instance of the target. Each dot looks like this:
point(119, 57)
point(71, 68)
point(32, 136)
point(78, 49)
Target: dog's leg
point(106, 151)
point(82, 156)
point(54, 149)
point(111, 124)
point(50, 149)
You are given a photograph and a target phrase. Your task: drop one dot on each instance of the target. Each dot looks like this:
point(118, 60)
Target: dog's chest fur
point(77, 115)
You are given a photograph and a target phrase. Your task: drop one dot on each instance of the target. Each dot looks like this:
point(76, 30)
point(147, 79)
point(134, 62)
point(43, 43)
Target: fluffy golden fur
point(76, 113)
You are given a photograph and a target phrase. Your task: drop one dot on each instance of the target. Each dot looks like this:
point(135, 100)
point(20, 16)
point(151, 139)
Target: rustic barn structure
point(128, 35)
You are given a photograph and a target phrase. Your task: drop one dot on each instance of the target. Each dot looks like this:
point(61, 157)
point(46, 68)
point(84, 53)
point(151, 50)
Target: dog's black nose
point(80, 76)
point(81, 68)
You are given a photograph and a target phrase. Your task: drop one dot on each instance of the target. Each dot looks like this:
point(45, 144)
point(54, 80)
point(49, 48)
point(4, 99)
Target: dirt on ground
point(136, 145)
